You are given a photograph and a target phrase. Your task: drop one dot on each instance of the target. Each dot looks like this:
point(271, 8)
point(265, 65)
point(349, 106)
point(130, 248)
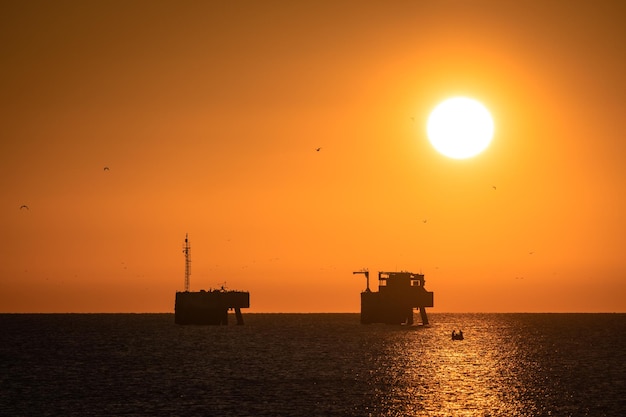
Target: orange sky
point(208, 115)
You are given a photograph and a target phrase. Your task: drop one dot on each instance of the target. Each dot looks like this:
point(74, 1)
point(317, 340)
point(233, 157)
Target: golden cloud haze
point(208, 116)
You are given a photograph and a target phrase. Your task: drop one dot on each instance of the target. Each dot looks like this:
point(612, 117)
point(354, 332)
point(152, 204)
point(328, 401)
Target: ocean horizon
point(313, 364)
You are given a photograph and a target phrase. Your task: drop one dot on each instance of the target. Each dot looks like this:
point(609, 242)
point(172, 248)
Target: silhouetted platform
point(398, 294)
point(209, 307)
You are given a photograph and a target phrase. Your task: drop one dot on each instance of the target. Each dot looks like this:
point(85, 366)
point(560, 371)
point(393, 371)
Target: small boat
point(457, 336)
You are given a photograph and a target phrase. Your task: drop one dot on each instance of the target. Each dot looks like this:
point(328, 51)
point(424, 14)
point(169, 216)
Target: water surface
point(313, 365)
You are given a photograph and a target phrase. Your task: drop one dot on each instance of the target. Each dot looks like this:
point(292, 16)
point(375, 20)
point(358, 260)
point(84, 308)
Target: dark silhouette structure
point(207, 307)
point(398, 294)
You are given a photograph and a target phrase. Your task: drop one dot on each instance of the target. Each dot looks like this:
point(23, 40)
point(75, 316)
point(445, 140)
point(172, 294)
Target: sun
point(460, 127)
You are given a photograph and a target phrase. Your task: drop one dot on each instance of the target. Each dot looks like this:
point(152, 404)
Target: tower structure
point(207, 307)
point(187, 252)
point(398, 294)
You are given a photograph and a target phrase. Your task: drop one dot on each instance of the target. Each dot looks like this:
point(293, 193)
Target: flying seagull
point(24, 206)
point(106, 168)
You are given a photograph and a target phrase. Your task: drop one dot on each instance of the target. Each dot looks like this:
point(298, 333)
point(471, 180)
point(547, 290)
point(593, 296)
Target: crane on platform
point(365, 272)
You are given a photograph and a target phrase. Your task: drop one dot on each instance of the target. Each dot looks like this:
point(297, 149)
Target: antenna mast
point(187, 252)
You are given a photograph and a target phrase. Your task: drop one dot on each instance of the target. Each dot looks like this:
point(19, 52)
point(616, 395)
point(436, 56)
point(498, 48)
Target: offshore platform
point(207, 307)
point(398, 294)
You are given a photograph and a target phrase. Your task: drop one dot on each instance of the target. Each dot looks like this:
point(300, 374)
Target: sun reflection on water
point(427, 373)
point(314, 365)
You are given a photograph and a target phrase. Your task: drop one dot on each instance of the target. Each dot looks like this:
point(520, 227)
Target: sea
point(313, 365)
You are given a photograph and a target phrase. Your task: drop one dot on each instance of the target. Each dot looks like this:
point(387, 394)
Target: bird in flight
point(493, 186)
point(106, 168)
point(318, 149)
point(24, 206)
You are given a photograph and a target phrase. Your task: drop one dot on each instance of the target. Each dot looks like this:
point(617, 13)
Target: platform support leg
point(238, 315)
point(424, 316)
